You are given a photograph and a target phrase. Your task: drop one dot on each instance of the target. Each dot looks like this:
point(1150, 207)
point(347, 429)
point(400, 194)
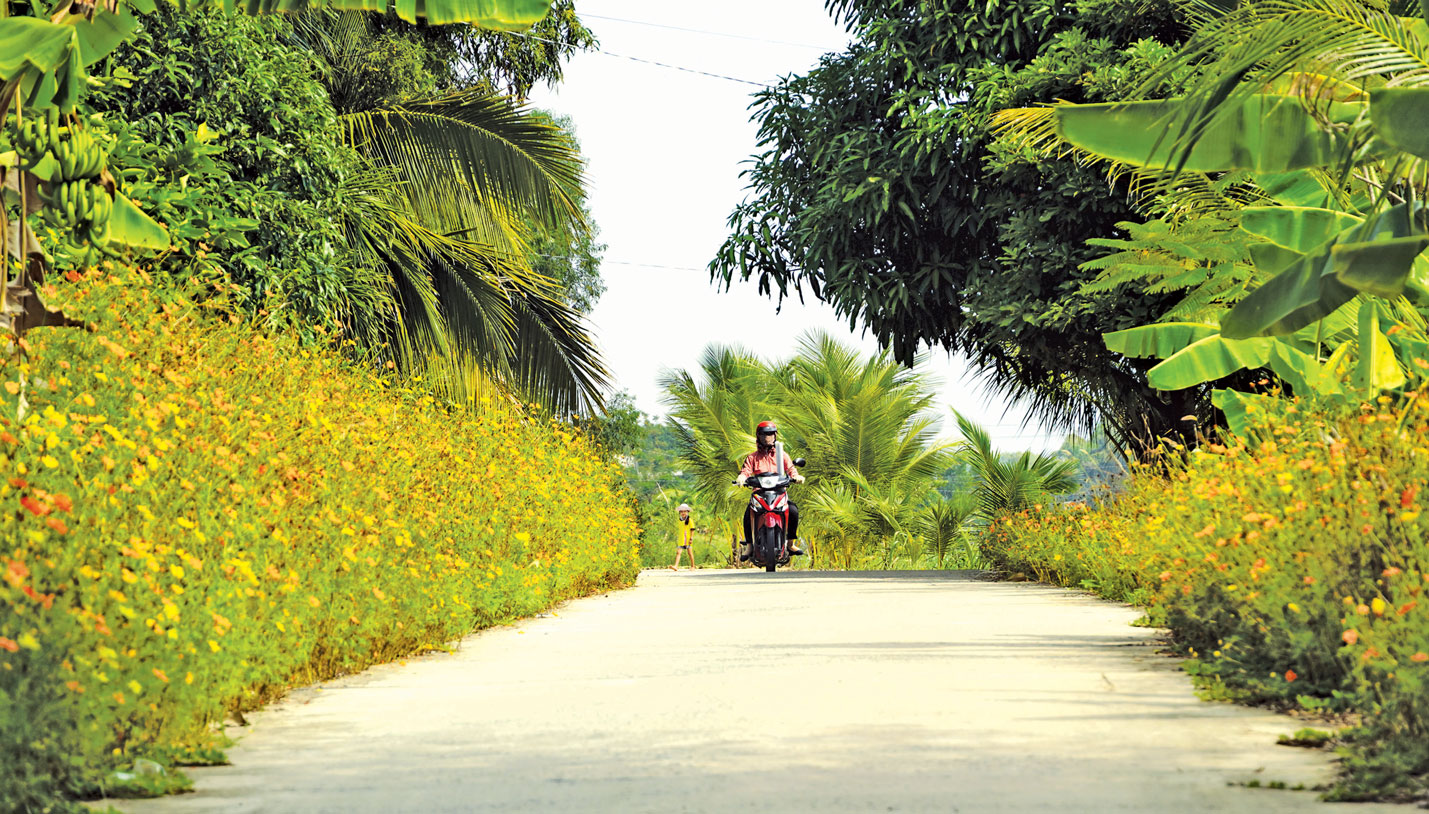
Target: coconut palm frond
point(942, 524)
point(1010, 485)
point(487, 142)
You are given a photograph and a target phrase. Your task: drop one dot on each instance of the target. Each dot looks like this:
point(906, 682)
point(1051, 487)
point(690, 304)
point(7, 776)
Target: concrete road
point(718, 691)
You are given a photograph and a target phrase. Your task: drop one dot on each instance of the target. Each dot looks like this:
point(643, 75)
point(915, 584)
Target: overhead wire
point(702, 31)
point(648, 61)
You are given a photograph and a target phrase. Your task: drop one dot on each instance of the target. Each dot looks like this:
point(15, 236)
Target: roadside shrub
point(1290, 567)
point(198, 516)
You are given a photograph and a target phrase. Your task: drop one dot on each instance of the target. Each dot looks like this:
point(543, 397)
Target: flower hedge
point(198, 516)
point(1291, 568)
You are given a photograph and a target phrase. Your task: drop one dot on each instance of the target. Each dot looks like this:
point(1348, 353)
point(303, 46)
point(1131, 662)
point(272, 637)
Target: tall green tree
point(883, 190)
point(472, 172)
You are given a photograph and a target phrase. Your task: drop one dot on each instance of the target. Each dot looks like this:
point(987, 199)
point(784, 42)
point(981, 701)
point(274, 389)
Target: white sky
point(665, 149)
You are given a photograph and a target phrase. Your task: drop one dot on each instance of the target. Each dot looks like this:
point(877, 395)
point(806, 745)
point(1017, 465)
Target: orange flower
point(1290, 675)
point(1420, 656)
point(16, 572)
point(1390, 572)
point(1350, 636)
point(8, 644)
point(74, 686)
point(36, 507)
point(1407, 496)
point(1309, 580)
point(159, 674)
point(63, 503)
point(58, 525)
point(8, 438)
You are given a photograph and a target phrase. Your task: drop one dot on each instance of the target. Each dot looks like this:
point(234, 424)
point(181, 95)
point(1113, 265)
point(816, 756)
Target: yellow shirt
point(685, 531)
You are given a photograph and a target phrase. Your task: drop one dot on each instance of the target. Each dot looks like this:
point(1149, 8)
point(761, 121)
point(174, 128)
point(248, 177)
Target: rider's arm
point(789, 468)
point(747, 469)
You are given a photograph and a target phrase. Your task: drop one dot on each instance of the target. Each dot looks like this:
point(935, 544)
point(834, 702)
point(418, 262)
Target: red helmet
point(763, 431)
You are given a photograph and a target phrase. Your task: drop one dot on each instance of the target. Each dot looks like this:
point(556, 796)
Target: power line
point(632, 263)
point(701, 31)
point(649, 62)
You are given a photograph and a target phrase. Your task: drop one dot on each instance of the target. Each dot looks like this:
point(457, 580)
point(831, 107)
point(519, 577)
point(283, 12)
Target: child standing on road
point(684, 537)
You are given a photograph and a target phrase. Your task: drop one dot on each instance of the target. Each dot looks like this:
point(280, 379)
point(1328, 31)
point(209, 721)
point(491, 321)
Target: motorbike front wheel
point(769, 547)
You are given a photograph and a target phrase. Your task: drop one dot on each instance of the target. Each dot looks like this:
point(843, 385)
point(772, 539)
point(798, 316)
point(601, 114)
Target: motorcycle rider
point(762, 461)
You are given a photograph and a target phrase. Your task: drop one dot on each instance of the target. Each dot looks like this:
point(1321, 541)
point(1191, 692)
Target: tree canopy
point(884, 190)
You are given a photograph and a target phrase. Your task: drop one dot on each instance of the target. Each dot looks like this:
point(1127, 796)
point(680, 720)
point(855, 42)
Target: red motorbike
point(770, 507)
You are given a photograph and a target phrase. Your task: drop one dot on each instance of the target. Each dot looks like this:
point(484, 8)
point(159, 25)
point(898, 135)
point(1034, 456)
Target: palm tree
point(864, 424)
point(714, 417)
point(1010, 485)
point(943, 526)
point(464, 174)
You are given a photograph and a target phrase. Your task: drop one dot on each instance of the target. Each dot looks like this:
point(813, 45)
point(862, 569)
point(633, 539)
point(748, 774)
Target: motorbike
point(770, 506)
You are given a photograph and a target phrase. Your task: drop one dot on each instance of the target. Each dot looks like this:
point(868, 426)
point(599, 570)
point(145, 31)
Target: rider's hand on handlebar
point(798, 478)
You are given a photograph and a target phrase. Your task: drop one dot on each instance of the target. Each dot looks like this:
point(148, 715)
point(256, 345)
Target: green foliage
point(1003, 486)
point(1292, 89)
point(191, 533)
point(1306, 736)
point(884, 190)
point(461, 182)
point(1289, 563)
point(1204, 259)
point(223, 132)
point(943, 526)
point(618, 429)
point(863, 425)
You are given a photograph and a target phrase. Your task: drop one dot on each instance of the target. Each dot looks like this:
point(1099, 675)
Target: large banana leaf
point(1296, 297)
point(1321, 281)
point(502, 15)
point(1266, 133)
point(1379, 267)
point(1400, 117)
point(1299, 228)
point(1295, 188)
point(1240, 409)
point(99, 36)
point(1378, 369)
point(1208, 359)
point(45, 58)
point(1303, 372)
point(1157, 341)
point(1270, 258)
point(129, 226)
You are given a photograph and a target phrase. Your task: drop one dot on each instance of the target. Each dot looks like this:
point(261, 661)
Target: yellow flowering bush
point(1291, 567)
point(198, 516)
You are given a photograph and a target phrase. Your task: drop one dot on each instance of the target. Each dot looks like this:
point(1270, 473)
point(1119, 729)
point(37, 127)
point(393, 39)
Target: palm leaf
point(479, 141)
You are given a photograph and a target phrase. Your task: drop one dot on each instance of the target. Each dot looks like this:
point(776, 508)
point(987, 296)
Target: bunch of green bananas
point(83, 206)
point(32, 141)
point(76, 152)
